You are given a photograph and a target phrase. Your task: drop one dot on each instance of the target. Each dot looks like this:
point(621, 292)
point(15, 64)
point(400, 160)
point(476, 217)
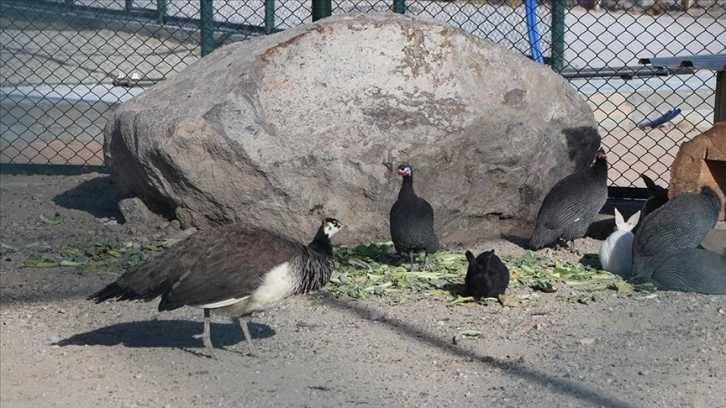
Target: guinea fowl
point(681, 223)
point(570, 206)
point(692, 270)
point(412, 220)
point(233, 269)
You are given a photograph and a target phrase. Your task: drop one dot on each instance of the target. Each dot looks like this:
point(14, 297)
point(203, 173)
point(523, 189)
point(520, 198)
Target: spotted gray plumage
point(681, 223)
point(692, 270)
point(570, 206)
point(233, 269)
point(412, 220)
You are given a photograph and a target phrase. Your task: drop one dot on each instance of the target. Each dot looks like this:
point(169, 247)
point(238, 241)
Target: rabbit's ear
point(619, 221)
point(470, 257)
point(649, 184)
point(633, 220)
point(654, 189)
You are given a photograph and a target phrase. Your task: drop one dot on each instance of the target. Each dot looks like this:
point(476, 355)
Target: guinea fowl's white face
point(403, 170)
point(331, 226)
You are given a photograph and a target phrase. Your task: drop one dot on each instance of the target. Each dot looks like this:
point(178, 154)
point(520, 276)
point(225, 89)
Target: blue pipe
point(530, 9)
point(670, 115)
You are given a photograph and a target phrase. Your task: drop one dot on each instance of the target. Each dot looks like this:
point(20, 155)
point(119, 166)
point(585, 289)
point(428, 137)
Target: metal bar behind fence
point(399, 6)
point(269, 16)
point(161, 12)
point(206, 26)
point(50, 169)
point(322, 9)
point(558, 35)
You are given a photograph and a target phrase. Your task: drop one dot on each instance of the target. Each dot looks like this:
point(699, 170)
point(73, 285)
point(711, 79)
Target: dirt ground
point(60, 350)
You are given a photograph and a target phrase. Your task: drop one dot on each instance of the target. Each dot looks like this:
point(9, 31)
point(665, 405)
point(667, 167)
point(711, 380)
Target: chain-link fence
point(65, 64)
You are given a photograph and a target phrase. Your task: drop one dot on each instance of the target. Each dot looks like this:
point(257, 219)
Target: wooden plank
point(719, 109)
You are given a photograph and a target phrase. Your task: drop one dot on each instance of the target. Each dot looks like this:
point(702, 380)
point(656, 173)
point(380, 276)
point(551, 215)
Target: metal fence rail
point(65, 64)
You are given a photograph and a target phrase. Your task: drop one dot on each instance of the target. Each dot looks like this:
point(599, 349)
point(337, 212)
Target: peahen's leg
point(207, 334)
point(244, 322)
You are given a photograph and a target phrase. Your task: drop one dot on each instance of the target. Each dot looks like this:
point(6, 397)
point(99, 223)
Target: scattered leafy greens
point(110, 256)
point(364, 271)
point(369, 270)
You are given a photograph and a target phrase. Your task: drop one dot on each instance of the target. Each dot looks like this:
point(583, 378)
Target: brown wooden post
point(719, 107)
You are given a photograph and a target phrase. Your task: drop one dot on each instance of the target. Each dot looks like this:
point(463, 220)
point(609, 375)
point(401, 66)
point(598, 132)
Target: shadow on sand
point(166, 333)
point(98, 196)
point(588, 395)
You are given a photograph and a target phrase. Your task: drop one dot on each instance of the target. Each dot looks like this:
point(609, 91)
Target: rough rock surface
point(702, 162)
point(277, 130)
point(134, 211)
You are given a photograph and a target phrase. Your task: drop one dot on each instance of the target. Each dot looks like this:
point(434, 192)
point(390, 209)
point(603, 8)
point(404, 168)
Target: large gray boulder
point(276, 130)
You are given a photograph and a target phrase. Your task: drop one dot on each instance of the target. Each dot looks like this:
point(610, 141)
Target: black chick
point(487, 275)
point(570, 206)
point(412, 220)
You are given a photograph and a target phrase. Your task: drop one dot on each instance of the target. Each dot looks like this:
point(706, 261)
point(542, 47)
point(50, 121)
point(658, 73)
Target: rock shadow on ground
point(98, 196)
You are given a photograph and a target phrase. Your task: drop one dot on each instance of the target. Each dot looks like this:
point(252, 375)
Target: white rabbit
point(616, 252)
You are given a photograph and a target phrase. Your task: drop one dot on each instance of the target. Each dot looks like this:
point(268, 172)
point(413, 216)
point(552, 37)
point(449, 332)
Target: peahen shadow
point(98, 196)
point(166, 333)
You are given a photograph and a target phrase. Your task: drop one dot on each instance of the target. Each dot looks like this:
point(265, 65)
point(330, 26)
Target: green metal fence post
point(322, 9)
point(206, 26)
point(128, 5)
point(399, 6)
point(69, 5)
point(558, 35)
point(161, 11)
point(269, 16)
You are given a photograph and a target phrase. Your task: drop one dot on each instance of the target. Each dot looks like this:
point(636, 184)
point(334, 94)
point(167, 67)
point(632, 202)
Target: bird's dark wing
point(561, 214)
point(692, 270)
point(425, 209)
point(570, 199)
point(229, 264)
point(155, 276)
point(680, 223)
point(412, 225)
